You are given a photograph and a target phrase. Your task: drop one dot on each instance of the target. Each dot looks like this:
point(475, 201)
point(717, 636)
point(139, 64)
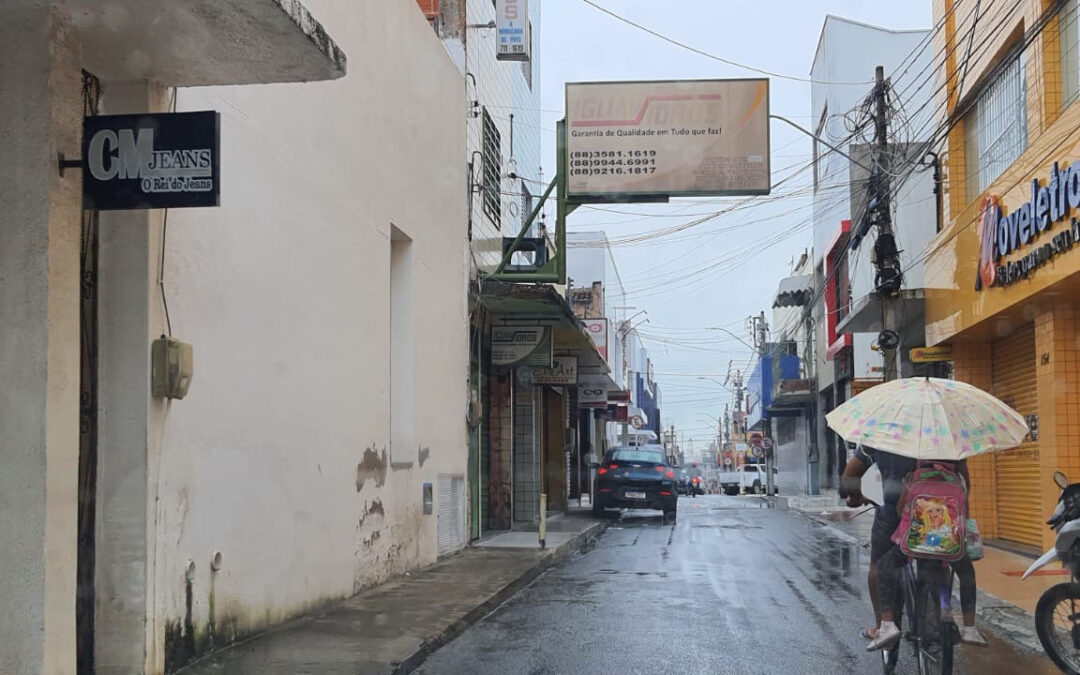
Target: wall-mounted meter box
point(170, 368)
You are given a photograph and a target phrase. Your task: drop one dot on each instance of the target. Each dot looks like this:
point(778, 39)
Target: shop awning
point(542, 304)
point(187, 43)
point(794, 291)
point(865, 314)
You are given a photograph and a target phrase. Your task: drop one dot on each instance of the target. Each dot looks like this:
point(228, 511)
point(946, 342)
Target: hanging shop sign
point(598, 332)
point(859, 385)
point(1001, 234)
point(667, 138)
point(513, 30)
point(563, 372)
point(151, 161)
point(931, 354)
point(520, 345)
point(592, 396)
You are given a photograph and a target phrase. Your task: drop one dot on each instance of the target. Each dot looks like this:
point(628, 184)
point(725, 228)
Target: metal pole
point(543, 520)
point(886, 256)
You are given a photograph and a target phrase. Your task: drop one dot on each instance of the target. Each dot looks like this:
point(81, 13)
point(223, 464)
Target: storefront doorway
point(1019, 503)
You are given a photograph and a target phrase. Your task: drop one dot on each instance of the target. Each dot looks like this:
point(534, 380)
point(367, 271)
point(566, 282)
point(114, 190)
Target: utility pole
point(761, 341)
point(888, 278)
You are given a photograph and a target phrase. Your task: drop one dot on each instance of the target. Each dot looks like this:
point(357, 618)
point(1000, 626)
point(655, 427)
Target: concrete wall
point(280, 457)
point(40, 112)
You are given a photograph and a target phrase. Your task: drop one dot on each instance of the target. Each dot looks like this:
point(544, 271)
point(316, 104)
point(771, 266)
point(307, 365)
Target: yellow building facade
point(1003, 274)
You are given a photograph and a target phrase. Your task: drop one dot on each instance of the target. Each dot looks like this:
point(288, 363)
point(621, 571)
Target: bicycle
point(926, 590)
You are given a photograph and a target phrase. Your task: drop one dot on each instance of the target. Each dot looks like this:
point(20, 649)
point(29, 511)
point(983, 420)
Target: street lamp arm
point(725, 330)
point(823, 142)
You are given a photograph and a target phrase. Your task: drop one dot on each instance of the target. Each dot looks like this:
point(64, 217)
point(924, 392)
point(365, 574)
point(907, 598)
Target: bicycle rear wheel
point(934, 634)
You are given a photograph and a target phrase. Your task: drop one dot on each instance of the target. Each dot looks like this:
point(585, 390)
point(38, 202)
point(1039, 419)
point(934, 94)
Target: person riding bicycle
point(886, 558)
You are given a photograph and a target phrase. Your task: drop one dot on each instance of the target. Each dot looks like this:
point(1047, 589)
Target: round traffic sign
point(759, 451)
point(636, 421)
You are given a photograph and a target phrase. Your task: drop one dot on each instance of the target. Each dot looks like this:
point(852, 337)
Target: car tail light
point(613, 466)
point(601, 471)
point(605, 489)
point(665, 493)
point(670, 473)
point(660, 468)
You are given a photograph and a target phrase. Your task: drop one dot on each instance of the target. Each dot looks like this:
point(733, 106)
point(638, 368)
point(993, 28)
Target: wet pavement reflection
point(733, 586)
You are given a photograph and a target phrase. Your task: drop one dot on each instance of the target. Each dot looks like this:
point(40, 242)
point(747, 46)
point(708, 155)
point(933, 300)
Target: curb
point(1008, 622)
point(447, 635)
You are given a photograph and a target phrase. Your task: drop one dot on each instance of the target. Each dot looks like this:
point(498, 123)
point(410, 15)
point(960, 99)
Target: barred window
point(995, 129)
point(491, 179)
point(1070, 52)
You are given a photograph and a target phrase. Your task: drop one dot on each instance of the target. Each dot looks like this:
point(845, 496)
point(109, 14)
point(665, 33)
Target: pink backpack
point(933, 513)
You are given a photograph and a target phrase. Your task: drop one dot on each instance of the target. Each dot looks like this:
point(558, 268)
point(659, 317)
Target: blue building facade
point(762, 384)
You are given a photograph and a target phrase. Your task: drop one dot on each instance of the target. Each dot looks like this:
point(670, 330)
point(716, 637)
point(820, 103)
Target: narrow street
point(733, 587)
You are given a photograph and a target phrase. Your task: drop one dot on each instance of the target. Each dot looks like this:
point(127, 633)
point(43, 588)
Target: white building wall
point(502, 89)
point(280, 456)
point(849, 51)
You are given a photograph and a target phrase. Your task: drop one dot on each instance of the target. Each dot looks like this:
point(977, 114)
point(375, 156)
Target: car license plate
point(634, 495)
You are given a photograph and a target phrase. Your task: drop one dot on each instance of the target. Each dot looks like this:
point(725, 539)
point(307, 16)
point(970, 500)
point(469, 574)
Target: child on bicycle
point(886, 558)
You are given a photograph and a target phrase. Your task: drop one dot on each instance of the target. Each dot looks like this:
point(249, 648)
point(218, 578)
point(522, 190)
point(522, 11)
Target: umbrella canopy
point(928, 418)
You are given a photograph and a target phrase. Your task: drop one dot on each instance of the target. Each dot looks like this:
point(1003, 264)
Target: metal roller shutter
point(1017, 471)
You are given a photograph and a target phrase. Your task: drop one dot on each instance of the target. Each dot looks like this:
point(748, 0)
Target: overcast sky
point(719, 272)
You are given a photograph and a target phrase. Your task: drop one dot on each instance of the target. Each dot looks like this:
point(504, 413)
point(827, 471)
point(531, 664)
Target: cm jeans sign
point(151, 161)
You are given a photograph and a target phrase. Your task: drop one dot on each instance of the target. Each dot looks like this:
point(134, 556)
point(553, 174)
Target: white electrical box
point(170, 368)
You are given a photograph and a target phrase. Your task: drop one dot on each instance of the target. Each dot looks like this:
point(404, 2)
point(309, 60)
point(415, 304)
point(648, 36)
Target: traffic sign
point(766, 444)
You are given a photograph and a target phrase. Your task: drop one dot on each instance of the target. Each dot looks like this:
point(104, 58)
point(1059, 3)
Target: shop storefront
point(1003, 275)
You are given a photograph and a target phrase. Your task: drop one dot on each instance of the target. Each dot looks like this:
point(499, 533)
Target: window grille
point(995, 129)
point(1070, 52)
point(491, 179)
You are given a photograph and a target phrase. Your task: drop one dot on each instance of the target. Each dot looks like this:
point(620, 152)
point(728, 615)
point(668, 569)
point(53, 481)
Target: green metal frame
point(554, 271)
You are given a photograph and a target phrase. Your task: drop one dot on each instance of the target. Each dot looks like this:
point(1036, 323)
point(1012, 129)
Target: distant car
point(637, 477)
point(747, 479)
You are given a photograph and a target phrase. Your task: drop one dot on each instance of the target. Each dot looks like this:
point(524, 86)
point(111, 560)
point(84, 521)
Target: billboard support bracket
point(555, 270)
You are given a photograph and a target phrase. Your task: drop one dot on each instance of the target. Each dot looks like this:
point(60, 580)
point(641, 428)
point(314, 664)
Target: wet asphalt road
point(732, 587)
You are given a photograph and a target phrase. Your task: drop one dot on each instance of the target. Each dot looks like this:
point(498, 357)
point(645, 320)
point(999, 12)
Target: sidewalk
point(394, 627)
point(1006, 603)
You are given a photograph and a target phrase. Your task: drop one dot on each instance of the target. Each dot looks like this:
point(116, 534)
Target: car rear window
point(637, 456)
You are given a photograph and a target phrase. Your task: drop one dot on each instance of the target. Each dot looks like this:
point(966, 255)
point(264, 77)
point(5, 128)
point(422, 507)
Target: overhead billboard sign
point(151, 161)
point(513, 31)
point(667, 138)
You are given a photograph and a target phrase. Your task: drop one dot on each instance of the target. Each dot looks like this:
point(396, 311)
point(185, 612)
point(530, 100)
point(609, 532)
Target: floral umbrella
point(928, 418)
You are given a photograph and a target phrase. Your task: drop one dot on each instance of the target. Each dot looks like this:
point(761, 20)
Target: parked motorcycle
point(1057, 615)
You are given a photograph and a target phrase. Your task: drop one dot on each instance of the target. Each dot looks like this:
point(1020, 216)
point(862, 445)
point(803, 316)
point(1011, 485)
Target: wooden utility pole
point(888, 278)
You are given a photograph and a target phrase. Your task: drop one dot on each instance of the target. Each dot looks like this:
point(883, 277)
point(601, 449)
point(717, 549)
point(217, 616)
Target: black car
point(636, 477)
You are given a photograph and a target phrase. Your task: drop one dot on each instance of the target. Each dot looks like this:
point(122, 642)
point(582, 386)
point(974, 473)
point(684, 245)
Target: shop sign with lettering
point(1001, 234)
point(151, 161)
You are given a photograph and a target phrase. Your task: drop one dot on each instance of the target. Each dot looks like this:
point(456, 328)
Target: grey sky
point(719, 272)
